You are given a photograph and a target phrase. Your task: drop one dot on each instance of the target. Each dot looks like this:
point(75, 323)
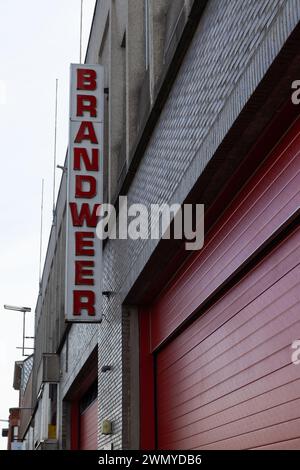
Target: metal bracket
point(63, 168)
point(106, 368)
point(108, 293)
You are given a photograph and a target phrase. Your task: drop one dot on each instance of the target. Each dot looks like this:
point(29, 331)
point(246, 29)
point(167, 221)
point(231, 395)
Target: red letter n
point(81, 154)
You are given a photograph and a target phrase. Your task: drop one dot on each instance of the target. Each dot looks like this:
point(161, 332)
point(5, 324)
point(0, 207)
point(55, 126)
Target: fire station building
point(193, 350)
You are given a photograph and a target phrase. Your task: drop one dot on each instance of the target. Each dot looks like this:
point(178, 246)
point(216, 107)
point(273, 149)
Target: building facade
point(194, 348)
point(13, 429)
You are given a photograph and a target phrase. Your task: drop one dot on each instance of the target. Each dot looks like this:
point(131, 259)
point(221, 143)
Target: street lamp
point(24, 310)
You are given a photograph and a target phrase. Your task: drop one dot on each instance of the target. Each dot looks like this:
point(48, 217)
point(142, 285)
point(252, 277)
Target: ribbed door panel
point(263, 206)
point(284, 258)
point(88, 427)
point(227, 382)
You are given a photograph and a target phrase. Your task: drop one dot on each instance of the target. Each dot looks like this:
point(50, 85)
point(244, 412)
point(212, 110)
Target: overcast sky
point(38, 41)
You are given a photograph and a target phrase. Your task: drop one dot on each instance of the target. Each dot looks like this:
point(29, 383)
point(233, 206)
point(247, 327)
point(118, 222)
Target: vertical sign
point(84, 195)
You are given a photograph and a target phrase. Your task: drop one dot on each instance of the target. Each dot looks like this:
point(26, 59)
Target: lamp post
point(24, 310)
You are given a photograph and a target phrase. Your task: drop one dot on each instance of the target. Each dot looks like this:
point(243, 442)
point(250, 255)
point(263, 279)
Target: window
point(15, 433)
point(53, 403)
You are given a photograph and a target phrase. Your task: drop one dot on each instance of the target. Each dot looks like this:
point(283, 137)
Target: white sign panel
point(84, 195)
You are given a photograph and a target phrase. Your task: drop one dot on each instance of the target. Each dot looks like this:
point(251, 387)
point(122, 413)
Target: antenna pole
point(54, 154)
point(41, 234)
point(80, 34)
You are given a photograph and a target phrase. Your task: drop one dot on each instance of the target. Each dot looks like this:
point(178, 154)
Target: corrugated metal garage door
point(88, 427)
point(264, 205)
point(88, 420)
point(226, 381)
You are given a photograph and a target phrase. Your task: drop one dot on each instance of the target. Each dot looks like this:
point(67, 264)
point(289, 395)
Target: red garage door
point(88, 425)
point(226, 381)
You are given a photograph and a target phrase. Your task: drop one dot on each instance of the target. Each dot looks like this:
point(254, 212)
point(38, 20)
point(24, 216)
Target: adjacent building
point(194, 348)
point(13, 442)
